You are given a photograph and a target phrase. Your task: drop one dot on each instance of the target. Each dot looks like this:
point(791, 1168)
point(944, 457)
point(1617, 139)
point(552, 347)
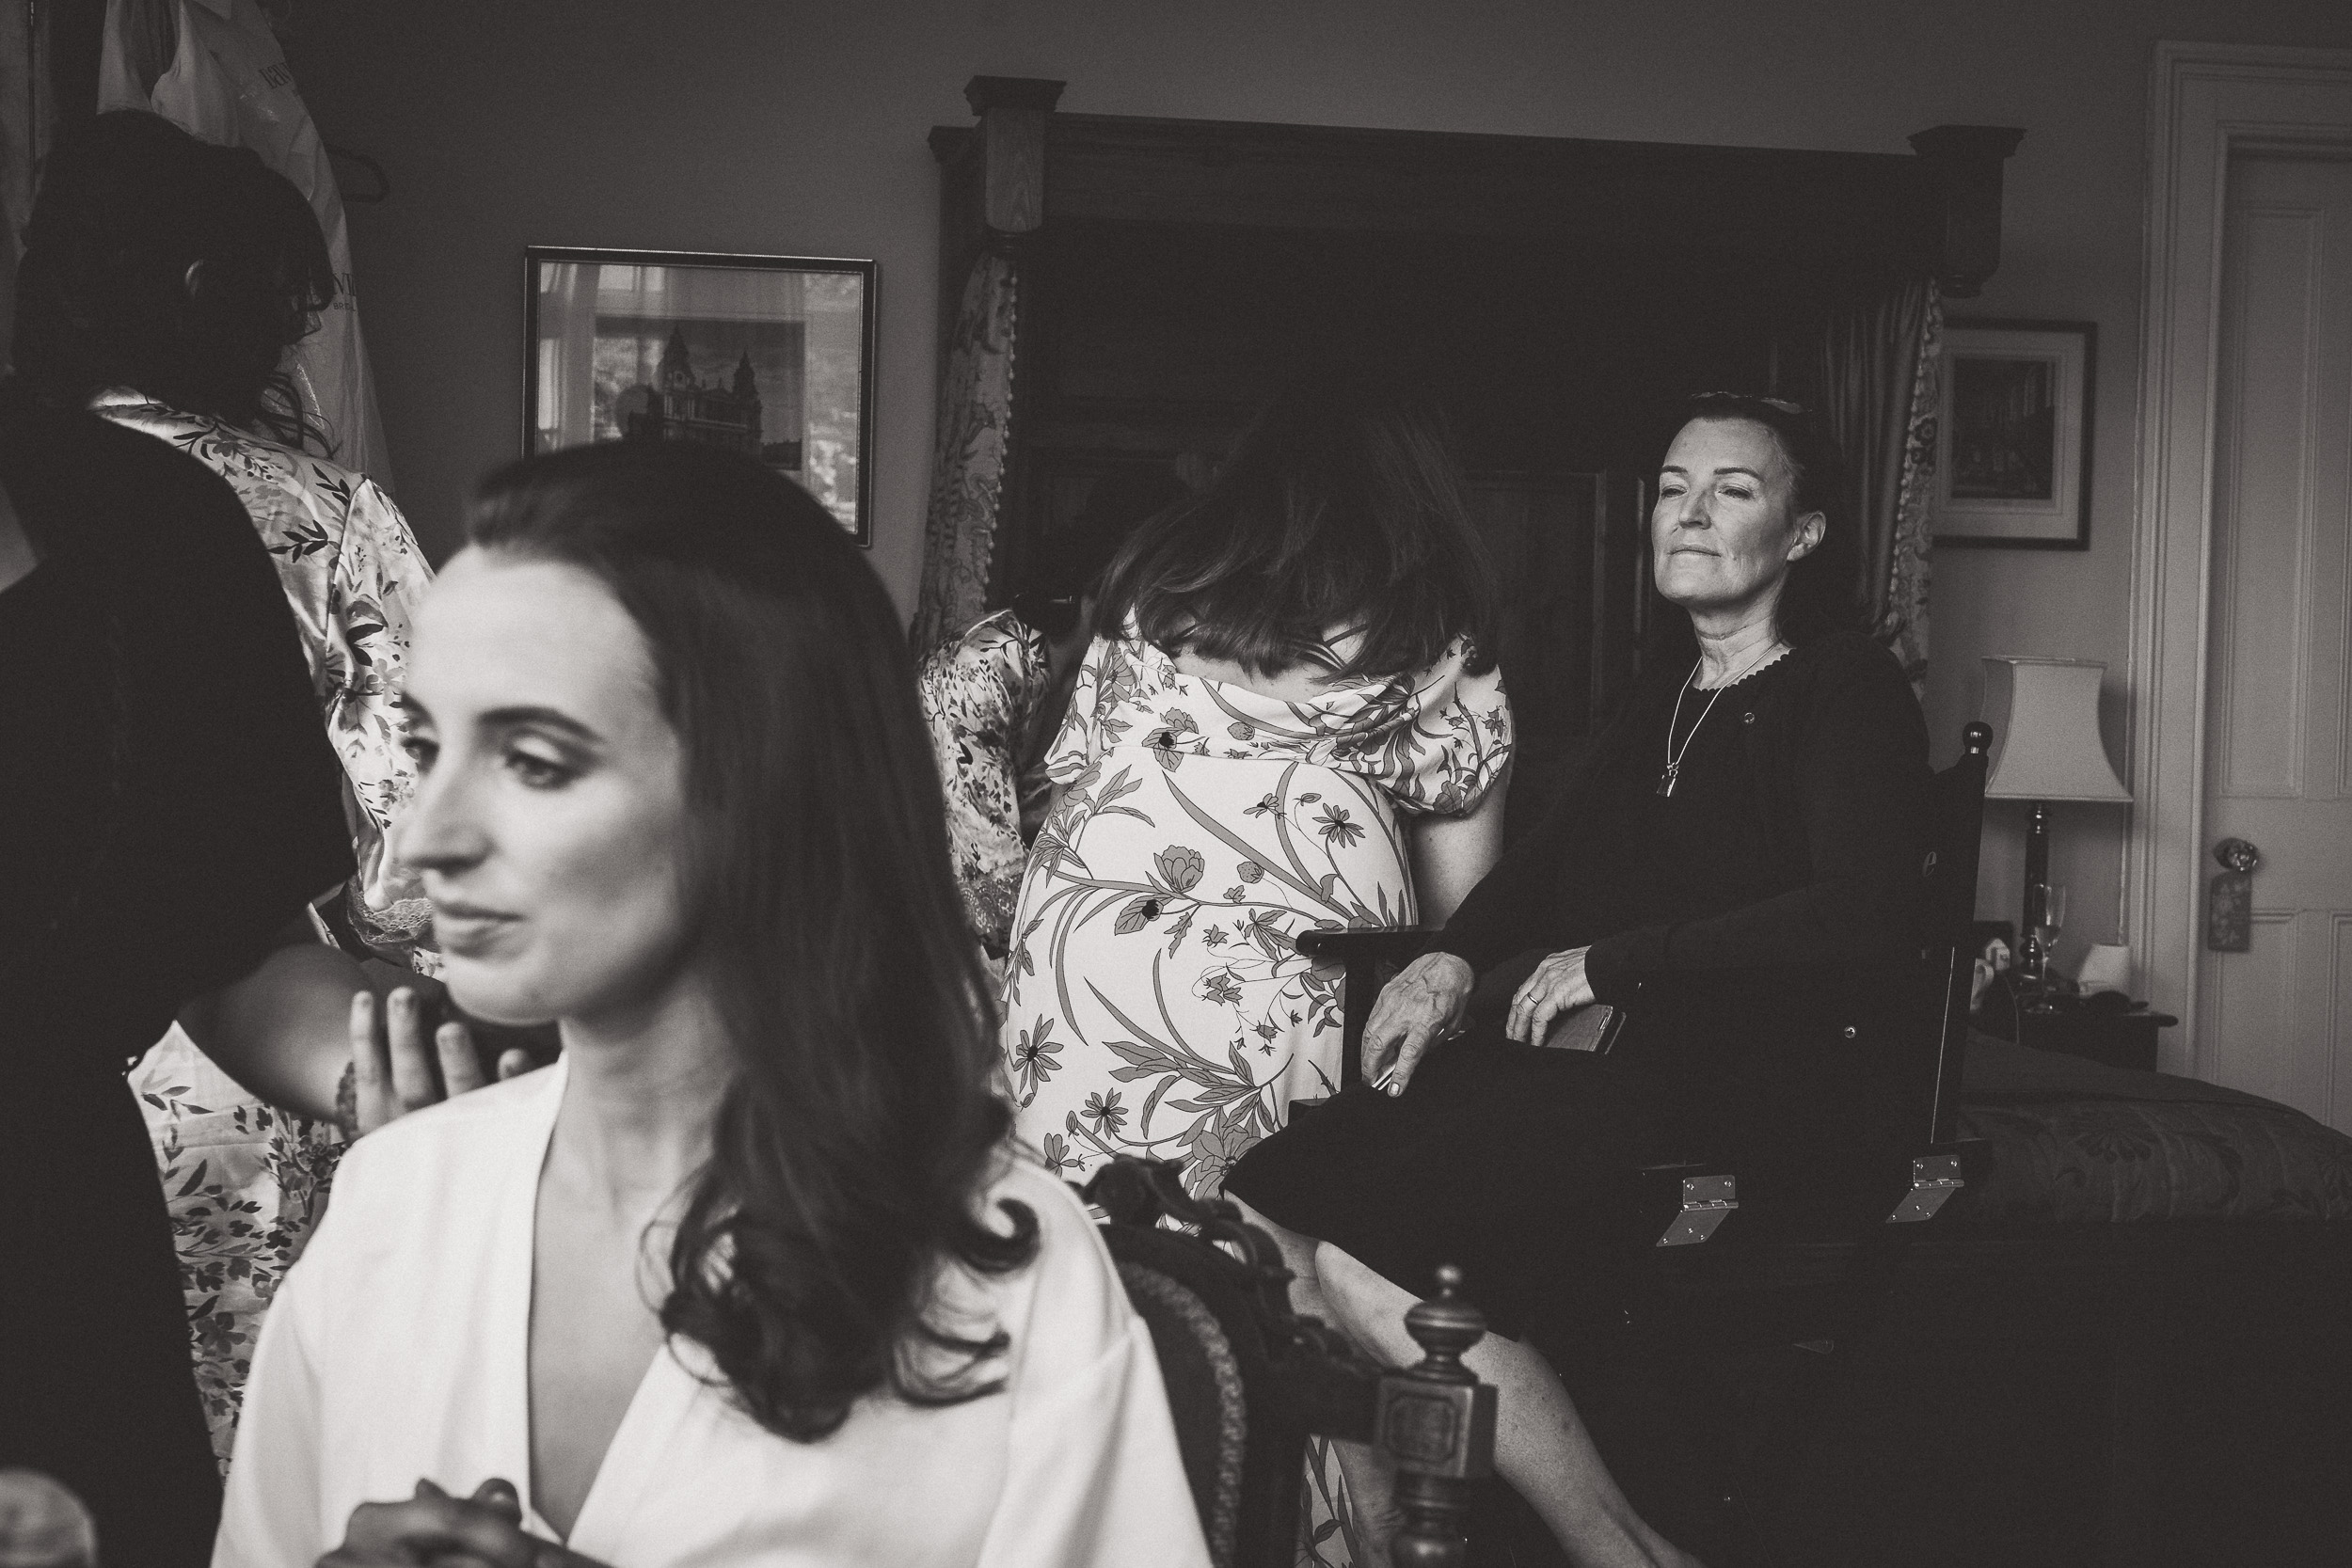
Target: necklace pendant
point(1667, 780)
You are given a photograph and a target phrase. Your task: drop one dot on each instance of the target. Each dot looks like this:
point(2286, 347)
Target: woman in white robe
point(397, 1352)
point(750, 1276)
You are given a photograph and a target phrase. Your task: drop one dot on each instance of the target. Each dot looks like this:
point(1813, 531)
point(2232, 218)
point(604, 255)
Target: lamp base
point(2033, 955)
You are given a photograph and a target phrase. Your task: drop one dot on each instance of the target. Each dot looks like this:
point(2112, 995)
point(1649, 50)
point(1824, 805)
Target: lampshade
point(2045, 714)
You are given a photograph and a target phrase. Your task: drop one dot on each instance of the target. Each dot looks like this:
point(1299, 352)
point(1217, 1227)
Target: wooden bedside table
point(2118, 1040)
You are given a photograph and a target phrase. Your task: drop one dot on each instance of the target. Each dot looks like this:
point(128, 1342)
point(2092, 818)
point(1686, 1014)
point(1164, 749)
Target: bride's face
point(549, 809)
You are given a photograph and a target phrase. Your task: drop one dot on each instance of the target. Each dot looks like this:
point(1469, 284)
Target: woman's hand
point(1558, 986)
point(1422, 1005)
point(436, 1529)
point(394, 1067)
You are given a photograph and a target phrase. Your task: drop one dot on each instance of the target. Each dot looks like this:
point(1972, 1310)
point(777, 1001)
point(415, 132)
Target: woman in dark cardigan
point(1733, 867)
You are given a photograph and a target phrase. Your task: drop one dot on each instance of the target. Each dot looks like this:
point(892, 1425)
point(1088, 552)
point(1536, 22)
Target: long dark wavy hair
point(183, 270)
point(1340, 509)
point(859, 1129)
point(1822, 593)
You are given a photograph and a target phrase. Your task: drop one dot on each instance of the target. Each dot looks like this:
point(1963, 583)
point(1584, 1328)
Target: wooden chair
point(1698, 1201)
point(1697, 1296)
point(1248, 1379)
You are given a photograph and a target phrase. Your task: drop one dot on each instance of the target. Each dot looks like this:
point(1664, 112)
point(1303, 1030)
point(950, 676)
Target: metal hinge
point(1934, 1177)
point(1706, 1202)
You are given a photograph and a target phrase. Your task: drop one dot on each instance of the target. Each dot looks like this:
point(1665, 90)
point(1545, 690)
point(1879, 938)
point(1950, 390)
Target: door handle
point(2230, 902)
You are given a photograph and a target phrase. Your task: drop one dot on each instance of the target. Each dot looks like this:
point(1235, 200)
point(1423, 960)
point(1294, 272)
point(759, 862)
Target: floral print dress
point(244, 1180)
point(1155, 1001)
point(980, 694)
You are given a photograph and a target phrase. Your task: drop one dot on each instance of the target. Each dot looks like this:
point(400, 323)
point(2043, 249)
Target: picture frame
point(2014, 435)
point(770, 355)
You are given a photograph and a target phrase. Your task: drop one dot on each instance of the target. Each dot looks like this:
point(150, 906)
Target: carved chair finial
point(1445, 1326)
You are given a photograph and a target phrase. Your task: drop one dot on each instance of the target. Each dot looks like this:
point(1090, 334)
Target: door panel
point(2339, 1030)
point(2248, 1001)
point(2278, 766)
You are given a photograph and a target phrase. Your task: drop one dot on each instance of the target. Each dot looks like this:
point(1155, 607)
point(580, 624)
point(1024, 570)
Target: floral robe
point(1155, 1002)
point(245, 1181)
point(981, 694)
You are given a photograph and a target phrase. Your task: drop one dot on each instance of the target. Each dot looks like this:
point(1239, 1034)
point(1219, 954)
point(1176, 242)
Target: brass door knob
point(2237, 854)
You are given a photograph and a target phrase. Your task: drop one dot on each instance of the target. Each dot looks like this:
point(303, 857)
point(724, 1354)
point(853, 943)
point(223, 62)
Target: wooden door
point(2277, 1020)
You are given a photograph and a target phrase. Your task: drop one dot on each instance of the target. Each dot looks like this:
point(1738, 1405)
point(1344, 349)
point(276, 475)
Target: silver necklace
point(1674, 755)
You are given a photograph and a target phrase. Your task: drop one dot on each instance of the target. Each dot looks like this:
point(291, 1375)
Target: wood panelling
point(2262, 468)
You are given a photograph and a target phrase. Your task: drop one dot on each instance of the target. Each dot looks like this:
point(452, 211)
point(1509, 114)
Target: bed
point(2126, 1344)
point(2078, 1143)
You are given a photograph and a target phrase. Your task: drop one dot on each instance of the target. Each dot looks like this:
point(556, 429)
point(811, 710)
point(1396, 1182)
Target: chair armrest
point(1366, 953)
point(1393, 944)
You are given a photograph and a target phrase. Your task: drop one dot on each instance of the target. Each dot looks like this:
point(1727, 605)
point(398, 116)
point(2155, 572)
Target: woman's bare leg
point(1370, 1476)
point(1541, 1447)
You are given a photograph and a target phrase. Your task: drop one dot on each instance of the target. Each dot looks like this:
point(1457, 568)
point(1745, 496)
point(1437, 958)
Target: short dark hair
point(1340, 507)
point(1823, 593)
point(127, 205)
point(860, 1125)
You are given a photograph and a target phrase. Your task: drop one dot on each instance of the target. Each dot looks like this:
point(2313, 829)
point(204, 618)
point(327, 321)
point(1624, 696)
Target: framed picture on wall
point(769, 355)
point(2013, 439)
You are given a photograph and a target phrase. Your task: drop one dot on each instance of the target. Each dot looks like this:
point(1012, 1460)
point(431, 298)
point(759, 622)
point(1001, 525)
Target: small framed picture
point(769, 355)
point(2014, 444)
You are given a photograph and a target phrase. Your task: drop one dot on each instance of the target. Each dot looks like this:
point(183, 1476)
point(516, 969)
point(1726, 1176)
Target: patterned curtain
point(1879, 392)
point(968, 466)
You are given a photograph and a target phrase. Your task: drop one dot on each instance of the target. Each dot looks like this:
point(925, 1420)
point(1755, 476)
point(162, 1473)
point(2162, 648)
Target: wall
point(789, 126)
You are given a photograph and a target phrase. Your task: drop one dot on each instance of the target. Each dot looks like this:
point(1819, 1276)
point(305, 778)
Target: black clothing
point(1756, 927)
point(169, 802)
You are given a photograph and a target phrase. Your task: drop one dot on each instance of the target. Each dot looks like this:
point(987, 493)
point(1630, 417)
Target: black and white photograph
point(1496, 785)
point(768, 355)
point(2016, 432)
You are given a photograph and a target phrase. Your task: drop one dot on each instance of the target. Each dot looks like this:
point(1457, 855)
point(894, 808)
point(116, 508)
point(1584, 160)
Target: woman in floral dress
point(1289, 728)
point(994, 697)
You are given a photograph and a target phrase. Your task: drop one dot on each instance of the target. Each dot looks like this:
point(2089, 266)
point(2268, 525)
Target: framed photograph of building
point(2013, 442)
point(769, 355)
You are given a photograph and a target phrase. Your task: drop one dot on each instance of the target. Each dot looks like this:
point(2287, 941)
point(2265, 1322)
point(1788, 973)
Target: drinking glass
point(2053, 920)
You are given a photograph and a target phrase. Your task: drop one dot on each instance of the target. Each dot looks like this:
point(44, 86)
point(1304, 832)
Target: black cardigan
point(1841, 757)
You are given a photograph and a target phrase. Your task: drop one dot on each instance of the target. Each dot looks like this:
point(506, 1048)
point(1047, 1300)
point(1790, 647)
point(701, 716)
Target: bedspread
point(2075, 1142)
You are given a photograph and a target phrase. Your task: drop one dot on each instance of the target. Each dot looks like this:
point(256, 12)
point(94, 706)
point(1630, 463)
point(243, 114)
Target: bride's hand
point(1558, 986)
point(436, 1529)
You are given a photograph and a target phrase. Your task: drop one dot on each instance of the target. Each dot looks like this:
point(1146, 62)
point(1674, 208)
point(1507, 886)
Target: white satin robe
point(397, 1349)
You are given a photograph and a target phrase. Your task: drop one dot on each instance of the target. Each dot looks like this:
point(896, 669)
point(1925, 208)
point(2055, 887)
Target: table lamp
point(2045, 714)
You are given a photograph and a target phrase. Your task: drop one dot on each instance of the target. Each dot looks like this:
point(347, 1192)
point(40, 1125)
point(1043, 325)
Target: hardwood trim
point(1936, 210)
point(1013, 112)
point(1967, 162)
point(2205, 100)
point(1039, 93)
